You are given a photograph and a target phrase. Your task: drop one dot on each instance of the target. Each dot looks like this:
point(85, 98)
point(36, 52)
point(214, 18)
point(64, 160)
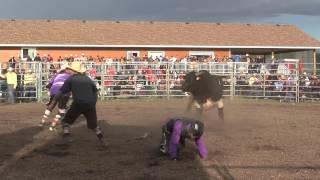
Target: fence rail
point(290, 82)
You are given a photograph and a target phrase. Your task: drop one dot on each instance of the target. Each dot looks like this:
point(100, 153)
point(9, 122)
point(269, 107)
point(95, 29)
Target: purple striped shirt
point(175, 139)
point(57, 81)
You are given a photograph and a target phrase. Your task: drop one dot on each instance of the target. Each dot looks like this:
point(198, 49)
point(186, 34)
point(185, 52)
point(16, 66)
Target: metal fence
point(285, 82)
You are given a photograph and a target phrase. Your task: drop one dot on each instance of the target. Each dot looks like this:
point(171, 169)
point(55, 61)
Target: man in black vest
point(84, 93)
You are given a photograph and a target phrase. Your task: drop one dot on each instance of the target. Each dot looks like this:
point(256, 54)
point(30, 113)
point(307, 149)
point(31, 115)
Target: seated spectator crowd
point(156, 76)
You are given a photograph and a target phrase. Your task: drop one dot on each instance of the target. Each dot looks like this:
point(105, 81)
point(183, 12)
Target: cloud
point(227, 10)
point(200, 10)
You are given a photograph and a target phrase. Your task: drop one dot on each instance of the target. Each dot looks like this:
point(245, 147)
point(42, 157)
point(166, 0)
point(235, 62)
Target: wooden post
point(314, 62)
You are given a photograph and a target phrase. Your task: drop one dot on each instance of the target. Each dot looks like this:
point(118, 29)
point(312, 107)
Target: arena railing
point(284, 82)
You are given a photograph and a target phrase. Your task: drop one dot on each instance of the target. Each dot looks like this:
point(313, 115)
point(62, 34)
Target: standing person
point(12, 62)
point(84, 93)
point(54, 85)
point(11, 77)
point(176, 131)
point(37, 58)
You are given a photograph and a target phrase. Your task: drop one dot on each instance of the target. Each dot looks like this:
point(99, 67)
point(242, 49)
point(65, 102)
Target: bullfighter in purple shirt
point(176, 130)
point(55, 84)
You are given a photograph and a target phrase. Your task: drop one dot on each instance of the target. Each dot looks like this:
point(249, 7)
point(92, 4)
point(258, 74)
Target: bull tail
point(217, 88)
point(220, 82)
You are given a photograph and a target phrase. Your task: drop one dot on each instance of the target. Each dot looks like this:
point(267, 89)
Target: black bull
point(206, 91)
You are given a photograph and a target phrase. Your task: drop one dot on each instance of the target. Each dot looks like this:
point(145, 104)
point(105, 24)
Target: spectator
point(11, 77)
point(49, 59)
point(279, 86)
point(29, 59)
point(37, 58)
point(60, 59)
point(52, 70)
point(44, 58)
point(237, 58)
point(12, 62)
point(145, 57)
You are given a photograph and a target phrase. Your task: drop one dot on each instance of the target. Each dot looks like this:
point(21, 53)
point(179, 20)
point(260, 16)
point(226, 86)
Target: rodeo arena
point(151, 100)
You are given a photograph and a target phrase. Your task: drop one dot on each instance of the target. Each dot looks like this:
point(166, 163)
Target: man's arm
point(202, 149)
point(48, 86)
point(94, 86)
point(66, 87)
point(175, 139)
point(15, 79)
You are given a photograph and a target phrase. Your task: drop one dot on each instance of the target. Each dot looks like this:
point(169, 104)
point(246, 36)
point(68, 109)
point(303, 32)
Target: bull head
point(189, 82)
point(193, 80)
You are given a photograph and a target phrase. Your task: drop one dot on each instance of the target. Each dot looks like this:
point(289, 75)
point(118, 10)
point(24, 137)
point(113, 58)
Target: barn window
point(133, 54)
point(25, 52)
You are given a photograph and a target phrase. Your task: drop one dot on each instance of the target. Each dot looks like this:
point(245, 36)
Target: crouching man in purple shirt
point(54, 85)
point(176, 130)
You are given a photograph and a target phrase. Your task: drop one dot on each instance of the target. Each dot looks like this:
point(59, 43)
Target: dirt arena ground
point(258, 140)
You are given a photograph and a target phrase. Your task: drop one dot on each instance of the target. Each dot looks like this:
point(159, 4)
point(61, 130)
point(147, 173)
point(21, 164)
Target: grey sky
point(303, 13)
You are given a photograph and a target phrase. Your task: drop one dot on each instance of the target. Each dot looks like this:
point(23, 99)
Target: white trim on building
point(201, 53)
point(156, 46)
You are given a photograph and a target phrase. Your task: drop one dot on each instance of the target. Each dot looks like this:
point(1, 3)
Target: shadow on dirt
point(132, 154)
point(283, 167)
point(13, 142)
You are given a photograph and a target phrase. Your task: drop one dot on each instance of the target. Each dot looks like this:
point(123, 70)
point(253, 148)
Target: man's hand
point(48, 86)
point(54, 101)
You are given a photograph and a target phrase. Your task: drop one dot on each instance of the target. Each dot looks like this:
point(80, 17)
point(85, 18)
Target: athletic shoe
point(66, 129)
point(42, 123)
point(52, 128)
point(100, 136)
point(103, 143)
point(99, 132)
point(163, 149)
point(54, 124)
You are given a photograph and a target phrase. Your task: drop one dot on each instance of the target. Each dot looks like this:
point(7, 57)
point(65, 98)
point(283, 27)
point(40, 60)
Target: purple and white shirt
point(57, 81)
point(177, 133)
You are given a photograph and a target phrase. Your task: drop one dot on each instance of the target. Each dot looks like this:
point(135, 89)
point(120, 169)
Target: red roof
point(78, 32)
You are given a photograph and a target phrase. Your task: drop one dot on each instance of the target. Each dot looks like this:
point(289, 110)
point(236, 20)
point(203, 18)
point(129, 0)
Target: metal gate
point(283, 82)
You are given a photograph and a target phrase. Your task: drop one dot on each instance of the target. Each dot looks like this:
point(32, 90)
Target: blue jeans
point(11, 92)
point(2, 88)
